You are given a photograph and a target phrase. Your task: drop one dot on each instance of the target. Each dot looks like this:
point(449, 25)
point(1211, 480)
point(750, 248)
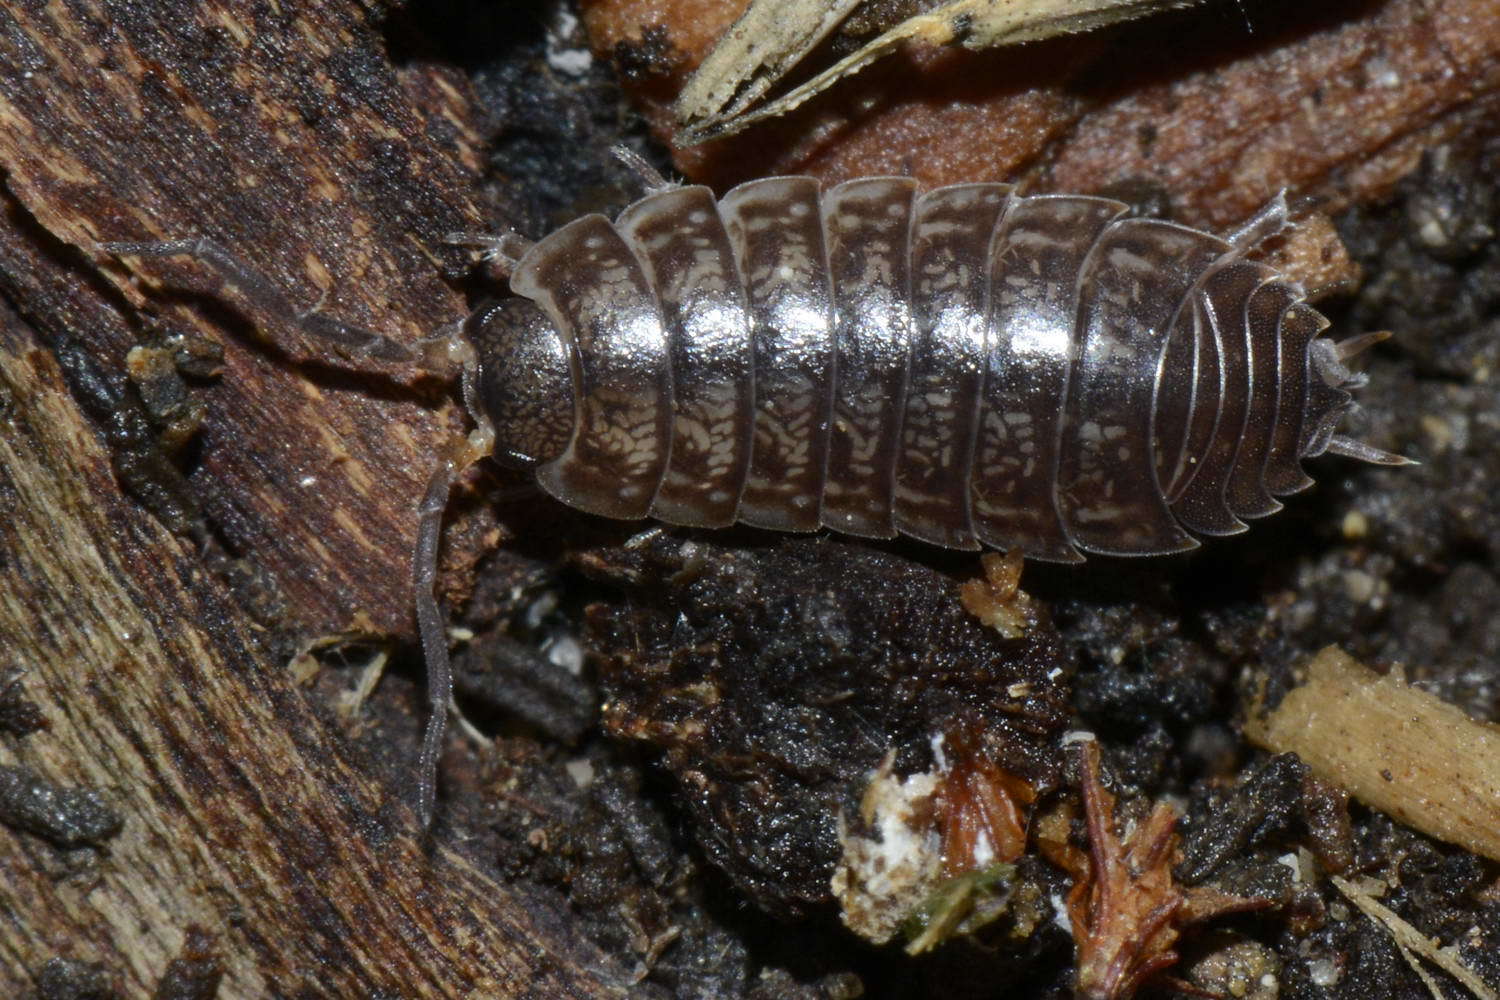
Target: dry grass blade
point(716, 100)
point(1409, 940)
point(756, 51)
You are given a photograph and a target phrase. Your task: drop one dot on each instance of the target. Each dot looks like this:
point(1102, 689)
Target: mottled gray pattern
point(969, 367)
point(1134, 280)
point(590, 283)
point(950, 248)
point(868, 224)
point(688, 260)
point(1035, 260)
point(776, 228)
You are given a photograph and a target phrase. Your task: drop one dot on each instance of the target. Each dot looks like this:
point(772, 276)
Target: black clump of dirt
point(19, 715)
point(75, 979)
point(64, 817)
point(775, 680)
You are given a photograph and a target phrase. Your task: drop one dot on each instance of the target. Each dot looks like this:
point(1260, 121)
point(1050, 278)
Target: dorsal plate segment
point(1136, 277)
point(950, 304)
point(1248, 494)
point(776, 229)
point(1300, 325)
point(684, 249)
point(1203, 504)
point(589, 283)
point(1035, 258)
point(868, 223)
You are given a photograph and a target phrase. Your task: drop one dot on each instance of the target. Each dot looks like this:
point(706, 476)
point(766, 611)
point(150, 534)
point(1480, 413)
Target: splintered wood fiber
point(1395, 747)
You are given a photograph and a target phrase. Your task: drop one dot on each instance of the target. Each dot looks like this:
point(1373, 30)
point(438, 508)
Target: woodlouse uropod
point(967, 366)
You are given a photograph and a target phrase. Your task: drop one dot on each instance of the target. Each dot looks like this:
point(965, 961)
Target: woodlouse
point(965, 366)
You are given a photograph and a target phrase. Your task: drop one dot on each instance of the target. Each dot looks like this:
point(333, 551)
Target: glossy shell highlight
point(966, 366)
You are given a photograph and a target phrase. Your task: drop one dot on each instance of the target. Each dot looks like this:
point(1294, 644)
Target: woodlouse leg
point(263, 294)
point(1273, 217)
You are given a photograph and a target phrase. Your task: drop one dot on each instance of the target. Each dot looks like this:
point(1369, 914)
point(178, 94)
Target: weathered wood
point(242, 813)
point(250, 837)
point(285, 133)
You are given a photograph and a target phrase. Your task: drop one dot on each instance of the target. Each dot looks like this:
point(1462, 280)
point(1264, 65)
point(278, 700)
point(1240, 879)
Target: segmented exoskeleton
point(967, 366)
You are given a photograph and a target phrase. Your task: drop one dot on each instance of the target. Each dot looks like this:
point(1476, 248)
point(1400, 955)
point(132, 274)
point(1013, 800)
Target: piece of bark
point(1394, 747)
point(242, 814)
point(1335, 101)
point(286, 134)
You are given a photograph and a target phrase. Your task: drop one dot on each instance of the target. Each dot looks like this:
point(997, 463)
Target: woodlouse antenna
point(652, 178)
point(479, 443)
point(504, 250)
point(1249, 28)
point(434, 635)
point(265, 296)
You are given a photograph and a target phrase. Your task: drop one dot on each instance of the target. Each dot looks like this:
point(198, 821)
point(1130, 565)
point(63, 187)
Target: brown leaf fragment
point(1122, 912)
point(1125, 907)
point(930, 853)
point(981, 810)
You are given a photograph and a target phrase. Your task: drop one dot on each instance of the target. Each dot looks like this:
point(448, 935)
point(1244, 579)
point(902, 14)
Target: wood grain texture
point(243, 815)
point(1394, 747)
point(250, 833)
point(285, 133)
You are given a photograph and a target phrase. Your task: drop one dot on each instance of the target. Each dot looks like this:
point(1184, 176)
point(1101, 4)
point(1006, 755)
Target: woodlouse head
point(526, 383)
